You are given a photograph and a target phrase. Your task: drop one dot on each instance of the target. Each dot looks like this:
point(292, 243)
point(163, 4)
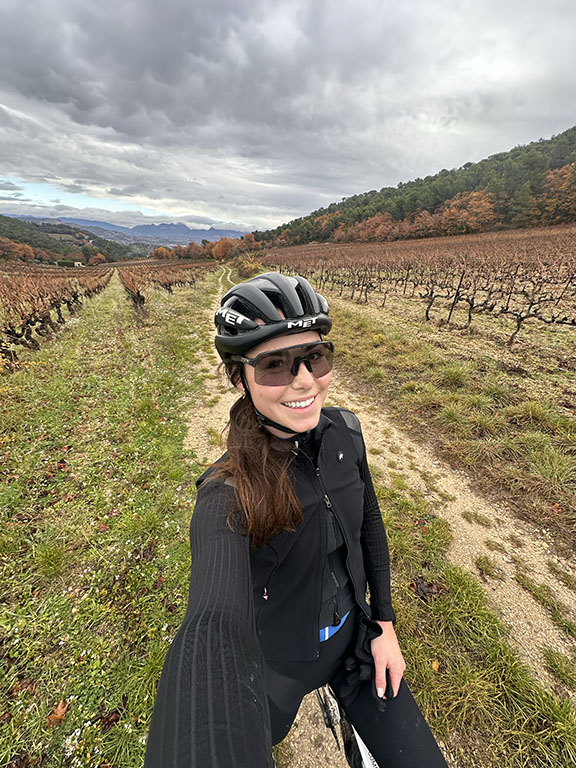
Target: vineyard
point(36, 300)
point(522, 275)
point(103, 433)
point(32, 300)
point(137, 278)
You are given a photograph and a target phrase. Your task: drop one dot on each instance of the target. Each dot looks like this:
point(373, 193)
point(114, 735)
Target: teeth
point(299, 403)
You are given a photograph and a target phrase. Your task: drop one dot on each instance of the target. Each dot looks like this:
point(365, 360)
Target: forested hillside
point(51, 242)
point(532, 185)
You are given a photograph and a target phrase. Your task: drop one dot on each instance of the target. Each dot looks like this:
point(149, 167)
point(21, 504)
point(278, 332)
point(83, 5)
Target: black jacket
point(287, 572)
point(211, 707)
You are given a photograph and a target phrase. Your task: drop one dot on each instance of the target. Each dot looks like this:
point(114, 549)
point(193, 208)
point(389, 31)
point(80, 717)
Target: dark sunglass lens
point(273, 370)
point(321, 361)
point(278, 369)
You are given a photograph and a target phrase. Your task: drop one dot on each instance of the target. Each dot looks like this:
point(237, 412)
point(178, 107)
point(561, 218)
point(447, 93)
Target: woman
point(286, 537)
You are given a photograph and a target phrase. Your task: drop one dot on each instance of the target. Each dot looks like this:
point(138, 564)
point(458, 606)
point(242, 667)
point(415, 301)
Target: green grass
point(465, 393)
point(560, 613)
point(488, 567)
point(477, 517)
point(561, 666)
point(495, 546)
point(568, 579)
point(95, 503)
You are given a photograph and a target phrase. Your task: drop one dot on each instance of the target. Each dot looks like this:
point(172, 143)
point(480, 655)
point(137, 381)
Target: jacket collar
point(324, 423)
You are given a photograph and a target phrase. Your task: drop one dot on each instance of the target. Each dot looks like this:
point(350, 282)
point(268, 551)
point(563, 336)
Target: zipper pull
point(336, 615)
point(265, 595)
point(327, 501)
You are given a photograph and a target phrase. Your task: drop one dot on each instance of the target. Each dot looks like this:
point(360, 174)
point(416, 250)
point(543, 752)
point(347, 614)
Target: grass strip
point(559, 612)
point(568, 579)
point(561, 666)
point(95, 502)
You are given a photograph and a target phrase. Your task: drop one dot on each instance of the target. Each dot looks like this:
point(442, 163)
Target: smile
point(300, 403)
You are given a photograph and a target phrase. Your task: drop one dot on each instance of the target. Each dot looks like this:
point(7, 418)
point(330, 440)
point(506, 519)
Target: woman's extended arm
point(375, 551)
point(211, 708)
point(385, 649)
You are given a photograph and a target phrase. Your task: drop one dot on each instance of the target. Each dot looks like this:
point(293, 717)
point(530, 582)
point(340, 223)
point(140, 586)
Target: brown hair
point(258, 465)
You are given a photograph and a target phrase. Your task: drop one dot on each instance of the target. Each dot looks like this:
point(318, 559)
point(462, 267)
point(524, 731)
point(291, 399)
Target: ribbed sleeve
point(375, 551)
point(211, 708)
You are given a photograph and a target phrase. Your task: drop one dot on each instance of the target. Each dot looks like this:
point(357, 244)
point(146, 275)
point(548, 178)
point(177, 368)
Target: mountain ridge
point(164, 233)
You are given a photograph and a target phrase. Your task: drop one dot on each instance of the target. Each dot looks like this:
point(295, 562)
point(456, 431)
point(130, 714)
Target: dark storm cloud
point(261, 110)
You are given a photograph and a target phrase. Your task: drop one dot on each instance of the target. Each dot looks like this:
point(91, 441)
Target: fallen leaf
point(169, 605)
point(58, 714)
point(149, 550)
point(22, 685)
point(22, 761)
point(425, 589)
point(110, 719)
point(435, 665)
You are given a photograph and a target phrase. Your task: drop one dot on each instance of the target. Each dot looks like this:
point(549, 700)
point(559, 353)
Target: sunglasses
point(280, 367)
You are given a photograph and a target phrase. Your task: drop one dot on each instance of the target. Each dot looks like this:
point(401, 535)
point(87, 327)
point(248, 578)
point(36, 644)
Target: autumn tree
point(224, 248)
point(161, 253)
point(98, 258)
point(16, 251)
point(559, 197)
point(193, 251)
point(467, 212)
point(248, 243)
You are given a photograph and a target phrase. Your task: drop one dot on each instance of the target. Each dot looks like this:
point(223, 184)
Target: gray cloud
point(9, 186)
point(261, 110)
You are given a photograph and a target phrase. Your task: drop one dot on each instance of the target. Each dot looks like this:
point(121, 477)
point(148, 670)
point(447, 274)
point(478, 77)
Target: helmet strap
point(264, 421)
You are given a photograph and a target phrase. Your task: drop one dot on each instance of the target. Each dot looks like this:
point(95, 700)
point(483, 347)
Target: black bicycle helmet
point(283, 304)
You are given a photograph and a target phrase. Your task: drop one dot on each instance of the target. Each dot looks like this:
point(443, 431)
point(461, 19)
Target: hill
point(50, 239)
point(530, 185)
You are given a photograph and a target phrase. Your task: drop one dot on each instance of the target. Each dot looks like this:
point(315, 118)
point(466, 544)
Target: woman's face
point(296, 405)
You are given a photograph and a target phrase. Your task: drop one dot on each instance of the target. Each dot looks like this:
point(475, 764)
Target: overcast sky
point(254, 112)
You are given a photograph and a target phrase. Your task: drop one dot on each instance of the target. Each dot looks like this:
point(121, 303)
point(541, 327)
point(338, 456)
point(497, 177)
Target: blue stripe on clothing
point(327, 632)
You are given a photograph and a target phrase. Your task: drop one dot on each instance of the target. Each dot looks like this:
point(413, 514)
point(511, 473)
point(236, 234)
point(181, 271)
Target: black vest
point(287, 572)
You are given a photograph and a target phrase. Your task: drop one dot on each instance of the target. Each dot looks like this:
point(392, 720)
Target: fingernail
point(380, 692)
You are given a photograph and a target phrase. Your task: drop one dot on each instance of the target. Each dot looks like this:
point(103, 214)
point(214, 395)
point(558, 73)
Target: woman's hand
point(387, 655)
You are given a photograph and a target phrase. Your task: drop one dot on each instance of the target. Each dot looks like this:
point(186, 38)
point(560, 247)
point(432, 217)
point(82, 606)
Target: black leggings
point(396, 738)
